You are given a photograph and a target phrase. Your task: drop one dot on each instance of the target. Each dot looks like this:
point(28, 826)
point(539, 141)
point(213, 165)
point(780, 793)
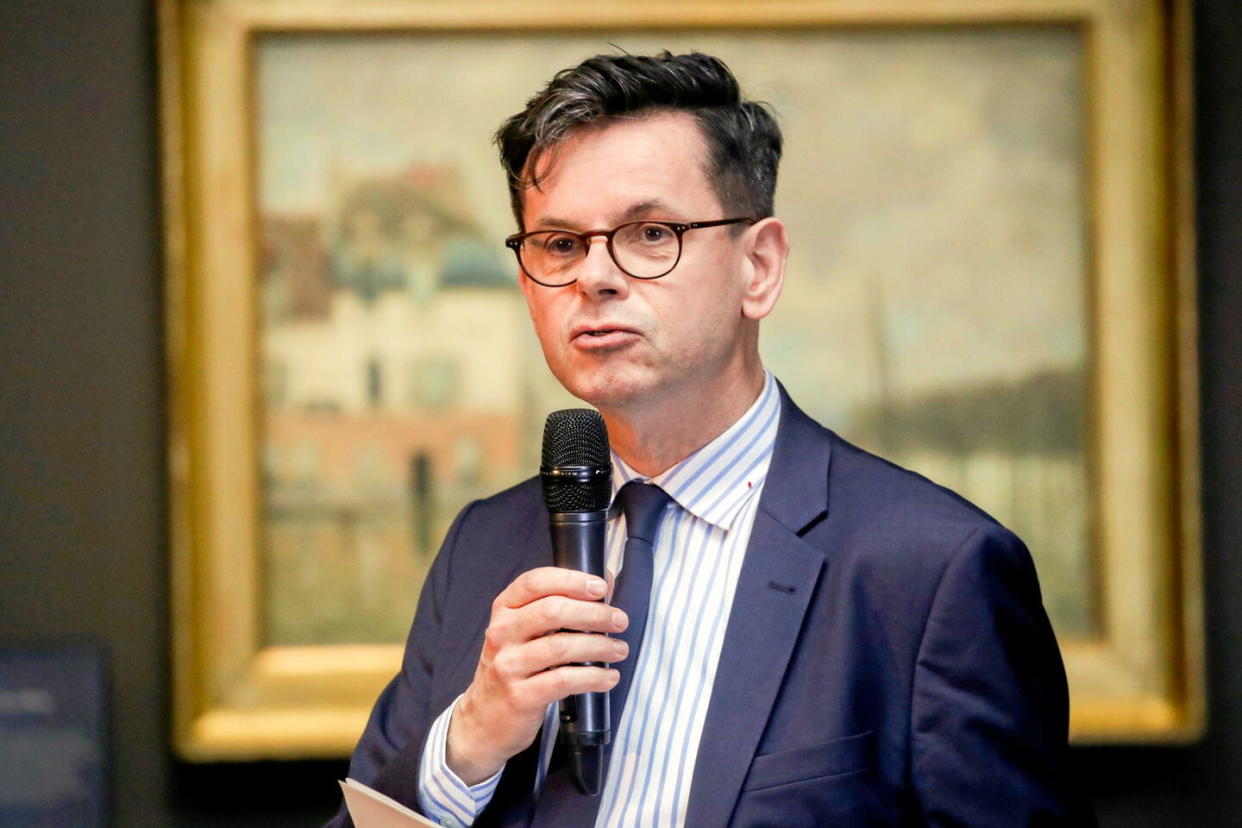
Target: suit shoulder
point(865, 489)
point(520, 501)
point(494, 538)
point(513, 516)
point(894, 533)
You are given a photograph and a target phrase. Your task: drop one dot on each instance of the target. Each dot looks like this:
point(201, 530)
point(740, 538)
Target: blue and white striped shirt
point(698, 557)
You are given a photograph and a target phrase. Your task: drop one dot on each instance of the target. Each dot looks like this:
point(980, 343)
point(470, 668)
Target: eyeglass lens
point(642, 249)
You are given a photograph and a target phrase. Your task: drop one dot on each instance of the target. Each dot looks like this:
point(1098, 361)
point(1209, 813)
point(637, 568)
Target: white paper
point(371, 809)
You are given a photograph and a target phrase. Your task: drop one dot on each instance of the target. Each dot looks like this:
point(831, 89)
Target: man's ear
point(767, 248)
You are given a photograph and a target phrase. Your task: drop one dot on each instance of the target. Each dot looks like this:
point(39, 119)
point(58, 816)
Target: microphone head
point(576, 469)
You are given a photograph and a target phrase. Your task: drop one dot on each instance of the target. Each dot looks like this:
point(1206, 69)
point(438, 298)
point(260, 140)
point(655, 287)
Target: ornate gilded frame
point(1141, 680)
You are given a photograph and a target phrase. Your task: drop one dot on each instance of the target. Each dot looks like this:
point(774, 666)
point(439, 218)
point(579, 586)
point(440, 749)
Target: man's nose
point(598, 274)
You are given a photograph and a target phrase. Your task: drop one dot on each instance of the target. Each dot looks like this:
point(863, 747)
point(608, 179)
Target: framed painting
point(991, 283)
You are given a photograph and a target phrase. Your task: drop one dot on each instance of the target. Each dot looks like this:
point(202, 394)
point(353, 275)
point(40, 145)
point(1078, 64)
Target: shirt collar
point(716, 480)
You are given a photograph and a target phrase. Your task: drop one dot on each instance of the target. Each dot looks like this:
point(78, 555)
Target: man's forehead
point(665, 147)
point(668, 121)
point(642, 209)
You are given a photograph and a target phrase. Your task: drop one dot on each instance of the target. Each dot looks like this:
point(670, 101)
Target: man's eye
point(655, 233)
point(562, 245)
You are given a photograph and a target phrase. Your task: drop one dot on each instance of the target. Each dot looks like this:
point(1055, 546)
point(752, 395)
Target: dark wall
point(83, 535)
point(82, 538)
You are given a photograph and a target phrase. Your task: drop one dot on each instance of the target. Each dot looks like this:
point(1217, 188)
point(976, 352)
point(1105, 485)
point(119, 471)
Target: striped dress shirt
point(697, 559)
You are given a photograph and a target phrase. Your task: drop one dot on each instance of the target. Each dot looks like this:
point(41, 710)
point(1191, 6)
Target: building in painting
point(392, 346)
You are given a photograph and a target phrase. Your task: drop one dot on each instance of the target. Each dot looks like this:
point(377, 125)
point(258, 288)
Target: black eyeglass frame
point(679, 228)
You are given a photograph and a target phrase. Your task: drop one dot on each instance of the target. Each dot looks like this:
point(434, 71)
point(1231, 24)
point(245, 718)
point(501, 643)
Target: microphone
point(576, 472)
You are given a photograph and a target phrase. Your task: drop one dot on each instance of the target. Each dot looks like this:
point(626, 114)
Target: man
point(828, 639)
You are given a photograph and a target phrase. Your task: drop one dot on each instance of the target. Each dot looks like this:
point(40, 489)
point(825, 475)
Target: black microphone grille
point(576, 467)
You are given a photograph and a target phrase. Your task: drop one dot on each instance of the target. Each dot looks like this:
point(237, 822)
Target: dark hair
point(742, 137)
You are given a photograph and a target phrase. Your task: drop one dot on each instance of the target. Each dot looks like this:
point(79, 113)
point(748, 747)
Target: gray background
point(83, 512)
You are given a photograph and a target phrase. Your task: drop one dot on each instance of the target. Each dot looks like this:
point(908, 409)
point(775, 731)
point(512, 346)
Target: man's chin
point(607, 390)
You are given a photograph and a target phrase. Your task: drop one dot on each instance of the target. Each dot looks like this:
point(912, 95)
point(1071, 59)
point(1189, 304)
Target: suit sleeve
point(388, 754)
point(990, 705)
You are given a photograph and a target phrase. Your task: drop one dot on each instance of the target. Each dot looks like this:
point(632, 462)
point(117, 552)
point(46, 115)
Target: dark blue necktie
point(644, 506)
point(561, 804)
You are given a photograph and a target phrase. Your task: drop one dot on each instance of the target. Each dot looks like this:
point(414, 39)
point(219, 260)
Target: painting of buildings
point(382, 414)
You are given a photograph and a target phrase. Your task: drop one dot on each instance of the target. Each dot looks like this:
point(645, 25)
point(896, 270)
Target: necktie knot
point(644, 505)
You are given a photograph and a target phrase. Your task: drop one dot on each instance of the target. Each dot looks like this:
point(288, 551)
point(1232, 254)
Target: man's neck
point(656, 436)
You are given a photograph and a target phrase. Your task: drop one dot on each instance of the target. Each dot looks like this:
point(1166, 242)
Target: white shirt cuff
point(443, 796)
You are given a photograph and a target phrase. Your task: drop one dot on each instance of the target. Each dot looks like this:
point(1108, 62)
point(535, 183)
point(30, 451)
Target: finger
point(554, 685)
point(518, 663)
point(553, 613)
point(551, 580)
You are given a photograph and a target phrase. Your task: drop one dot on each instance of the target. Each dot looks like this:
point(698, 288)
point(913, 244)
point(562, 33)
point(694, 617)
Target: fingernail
point(596, 587)
point(620, 647)
point(615, 675)
point(619, 619)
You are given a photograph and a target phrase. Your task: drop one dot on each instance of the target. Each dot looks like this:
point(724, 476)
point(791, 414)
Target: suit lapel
point(774, 588)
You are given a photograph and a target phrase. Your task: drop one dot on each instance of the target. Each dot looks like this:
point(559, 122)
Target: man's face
point(615, 341)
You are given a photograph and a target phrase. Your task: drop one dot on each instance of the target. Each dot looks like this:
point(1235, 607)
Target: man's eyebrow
point(641, 209)
point(554, 223)
point(645, 209)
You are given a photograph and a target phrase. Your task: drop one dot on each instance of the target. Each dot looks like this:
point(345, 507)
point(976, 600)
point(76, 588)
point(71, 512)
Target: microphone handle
point(578, 543)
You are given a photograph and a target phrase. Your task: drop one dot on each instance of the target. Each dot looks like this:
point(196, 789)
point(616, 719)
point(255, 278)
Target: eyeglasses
point(641, 249)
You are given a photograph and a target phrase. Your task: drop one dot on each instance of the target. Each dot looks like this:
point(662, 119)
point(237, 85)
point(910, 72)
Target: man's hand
point(527, 663)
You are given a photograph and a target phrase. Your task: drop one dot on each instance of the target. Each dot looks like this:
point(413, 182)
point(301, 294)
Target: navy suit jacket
point(887, 661)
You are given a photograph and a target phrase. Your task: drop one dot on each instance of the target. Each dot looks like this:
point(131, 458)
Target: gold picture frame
point(1137, 678)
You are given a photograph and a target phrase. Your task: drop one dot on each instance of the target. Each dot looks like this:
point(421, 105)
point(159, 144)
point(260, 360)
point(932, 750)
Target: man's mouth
point(604, 336)
point(597, 331)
